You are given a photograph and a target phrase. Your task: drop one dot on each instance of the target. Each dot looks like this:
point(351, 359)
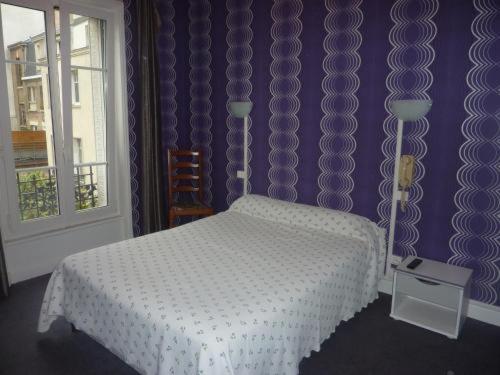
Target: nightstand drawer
point(442, 294)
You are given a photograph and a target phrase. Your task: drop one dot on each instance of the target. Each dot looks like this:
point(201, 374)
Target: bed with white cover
point(251, 290)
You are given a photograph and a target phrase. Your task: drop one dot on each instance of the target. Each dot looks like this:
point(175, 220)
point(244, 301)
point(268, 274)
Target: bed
point(251, 290)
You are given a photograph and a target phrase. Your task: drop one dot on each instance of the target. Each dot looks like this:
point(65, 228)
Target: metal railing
point(86, 185)
point(37, 190)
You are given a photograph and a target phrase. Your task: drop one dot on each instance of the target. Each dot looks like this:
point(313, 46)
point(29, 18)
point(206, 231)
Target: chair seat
point(191, 207)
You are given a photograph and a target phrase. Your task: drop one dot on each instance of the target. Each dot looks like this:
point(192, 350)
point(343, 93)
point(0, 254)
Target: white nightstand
point(434, 296)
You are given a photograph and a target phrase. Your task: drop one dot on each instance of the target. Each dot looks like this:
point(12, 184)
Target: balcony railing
point(37, 190)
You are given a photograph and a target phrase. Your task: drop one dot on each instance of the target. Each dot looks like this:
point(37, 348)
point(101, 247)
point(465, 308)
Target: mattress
point(251, 290)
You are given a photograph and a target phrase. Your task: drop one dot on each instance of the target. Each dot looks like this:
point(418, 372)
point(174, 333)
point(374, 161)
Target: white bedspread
point(231, 294)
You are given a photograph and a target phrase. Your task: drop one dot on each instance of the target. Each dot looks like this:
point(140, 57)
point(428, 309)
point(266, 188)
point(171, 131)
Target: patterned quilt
point(251, 290)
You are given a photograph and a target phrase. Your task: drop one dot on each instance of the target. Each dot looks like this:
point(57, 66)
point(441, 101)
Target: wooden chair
point(185, 165)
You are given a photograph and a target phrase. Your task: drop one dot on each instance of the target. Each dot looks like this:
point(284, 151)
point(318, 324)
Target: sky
point(20, 23)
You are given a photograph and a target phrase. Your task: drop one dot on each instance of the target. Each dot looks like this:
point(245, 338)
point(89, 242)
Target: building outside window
point(77, 151)
point(31, 98)
point(22, 115)
point(19, 75)
point(75, 87)
point(40, 98)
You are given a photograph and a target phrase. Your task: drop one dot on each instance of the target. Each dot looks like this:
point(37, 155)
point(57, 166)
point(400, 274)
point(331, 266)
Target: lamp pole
point(242, 110)
point(245, 155)
point(404, 110)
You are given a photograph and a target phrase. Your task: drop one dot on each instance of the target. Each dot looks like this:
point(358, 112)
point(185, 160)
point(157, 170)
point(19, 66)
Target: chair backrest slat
point(184, 153)
point(185, 177)
point(185, 188)
point(185, 164)
point(191, 159)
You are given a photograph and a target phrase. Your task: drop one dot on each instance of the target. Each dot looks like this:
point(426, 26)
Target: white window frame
point(116, 112)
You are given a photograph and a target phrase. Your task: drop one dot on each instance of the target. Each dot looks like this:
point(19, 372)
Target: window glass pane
point(90, 185)
point(89, 133)
point(87, 41)
point(29, 111)
point(89, 116)
point(37, 192)
point(30, 118)
point(32, 140)
point(88, 98)
point(24, 35)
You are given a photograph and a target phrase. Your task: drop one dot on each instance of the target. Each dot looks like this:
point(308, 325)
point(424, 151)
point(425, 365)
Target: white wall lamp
point(404, 110)
point(242, 110)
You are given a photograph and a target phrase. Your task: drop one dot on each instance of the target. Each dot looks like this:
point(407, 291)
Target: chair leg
point(171, 221)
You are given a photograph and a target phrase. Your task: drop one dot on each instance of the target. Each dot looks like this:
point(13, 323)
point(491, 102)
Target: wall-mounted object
point(404, 110)
point(406, 168)
point(242, 110)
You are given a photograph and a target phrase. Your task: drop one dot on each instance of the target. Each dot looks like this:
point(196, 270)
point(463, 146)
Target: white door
point(63, 131)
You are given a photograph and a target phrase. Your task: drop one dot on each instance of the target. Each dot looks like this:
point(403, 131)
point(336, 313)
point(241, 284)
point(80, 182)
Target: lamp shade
point(240, 109)
point(410, 110)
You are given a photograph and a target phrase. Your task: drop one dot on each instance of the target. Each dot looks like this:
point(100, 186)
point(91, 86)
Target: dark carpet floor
point(370, 343)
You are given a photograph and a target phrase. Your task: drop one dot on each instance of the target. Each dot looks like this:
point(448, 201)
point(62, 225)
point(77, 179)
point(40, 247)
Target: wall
point(321, 74)
point(24, 263)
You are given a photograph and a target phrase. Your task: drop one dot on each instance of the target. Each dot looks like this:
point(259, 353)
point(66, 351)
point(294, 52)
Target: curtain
point(4, 282)
point(151, 173)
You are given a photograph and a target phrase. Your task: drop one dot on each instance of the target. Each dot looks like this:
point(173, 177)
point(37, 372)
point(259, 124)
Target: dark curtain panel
point(151, 173)
point(4, 282)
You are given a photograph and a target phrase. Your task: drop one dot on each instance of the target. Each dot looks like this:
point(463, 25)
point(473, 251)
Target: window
point(87, 35)
point(77, 151)
point(36, 177)
point(22, 115)
point(89, 118)
point(75, 89)
point(19, 75)
point(40, 96)
point(31, 99)
point(77, 63)
point(79, 32)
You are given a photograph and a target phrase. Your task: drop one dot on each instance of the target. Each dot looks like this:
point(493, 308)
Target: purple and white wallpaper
point(321, 74)
point(339, 103)
point(476, 240)
point(130, 14)
point(239, 87)
point(410, 77)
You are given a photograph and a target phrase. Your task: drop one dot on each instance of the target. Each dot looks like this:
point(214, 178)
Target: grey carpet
point(369, 344)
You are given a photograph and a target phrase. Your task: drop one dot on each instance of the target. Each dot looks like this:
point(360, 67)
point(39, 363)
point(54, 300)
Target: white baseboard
point(477, 310)
point(38, 255)
point(484, 312)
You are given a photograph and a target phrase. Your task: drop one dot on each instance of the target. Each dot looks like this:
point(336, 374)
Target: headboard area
point(314, 218)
